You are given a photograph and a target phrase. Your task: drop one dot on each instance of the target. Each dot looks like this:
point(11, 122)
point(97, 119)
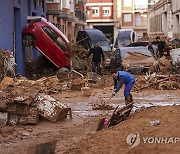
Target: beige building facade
point(164, 19)
point(67, 15)
point(176, 18)
point(131, 14)
point(122, 14)
point(160, 19)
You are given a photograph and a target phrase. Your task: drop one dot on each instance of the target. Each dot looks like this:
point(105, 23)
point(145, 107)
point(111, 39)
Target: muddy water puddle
point(85, 108)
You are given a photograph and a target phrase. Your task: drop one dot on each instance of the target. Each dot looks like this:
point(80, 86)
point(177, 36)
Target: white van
point(125, 37)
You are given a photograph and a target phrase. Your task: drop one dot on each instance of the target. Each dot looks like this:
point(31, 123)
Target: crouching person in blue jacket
point(120, 78)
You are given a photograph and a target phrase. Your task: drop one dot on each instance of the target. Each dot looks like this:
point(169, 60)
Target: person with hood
point(120, 78)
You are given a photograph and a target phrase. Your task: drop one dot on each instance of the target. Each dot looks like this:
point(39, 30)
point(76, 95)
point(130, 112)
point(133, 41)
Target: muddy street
point(78, 135)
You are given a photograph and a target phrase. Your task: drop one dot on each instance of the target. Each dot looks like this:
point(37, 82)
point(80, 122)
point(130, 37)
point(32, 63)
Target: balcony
point(53, 6)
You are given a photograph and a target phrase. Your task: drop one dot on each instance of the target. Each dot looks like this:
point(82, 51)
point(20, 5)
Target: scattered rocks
point(154, 123)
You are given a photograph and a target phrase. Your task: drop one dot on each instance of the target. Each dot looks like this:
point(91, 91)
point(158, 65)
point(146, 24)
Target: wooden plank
point(120, 115)
point(43, 148)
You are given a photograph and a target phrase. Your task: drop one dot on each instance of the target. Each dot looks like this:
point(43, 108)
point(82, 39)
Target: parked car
point(175, 59)
point(137, 44)
point(145, 44)
point(154, 43)
point(175, 56)
point(133, 59)
point(125, 37)
point(49, 40)
point(87, 39)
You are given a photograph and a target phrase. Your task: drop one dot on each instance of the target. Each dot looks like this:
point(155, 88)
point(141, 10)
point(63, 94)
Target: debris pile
point(39, 68)
point(50, 108)
point(117, 116)
point(77, 84)
point(86, 91)
point(102, 105)
point(161, 82)
point(79, 52)
point(22, 101)
point(7, 64)
point(164, 65)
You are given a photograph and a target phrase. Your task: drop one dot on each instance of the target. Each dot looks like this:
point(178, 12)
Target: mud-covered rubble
point(78, 62)
point(100, 104)
point(164, 65)
point(7, 63)
point(24, 100)
point(50, 108)
point(161, 82)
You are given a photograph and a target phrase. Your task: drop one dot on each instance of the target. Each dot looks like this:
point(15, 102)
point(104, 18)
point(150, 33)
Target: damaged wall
point(13, 17)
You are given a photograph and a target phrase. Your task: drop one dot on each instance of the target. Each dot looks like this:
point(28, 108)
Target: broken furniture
point(117, 117)
point(51, 109)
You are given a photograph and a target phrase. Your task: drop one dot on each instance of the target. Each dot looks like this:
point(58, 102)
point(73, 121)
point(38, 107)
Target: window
point(127, 17)
point(39, 2)
point(138, 19)
point(106, 11)
point(56, 38)
point(127, 3)
point(95, 11)
point(141, 5)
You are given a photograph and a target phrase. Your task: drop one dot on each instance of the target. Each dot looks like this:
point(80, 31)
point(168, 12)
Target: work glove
point(113, 94)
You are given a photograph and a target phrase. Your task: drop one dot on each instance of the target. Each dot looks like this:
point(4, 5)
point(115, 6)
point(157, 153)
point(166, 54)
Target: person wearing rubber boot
point(120, 78)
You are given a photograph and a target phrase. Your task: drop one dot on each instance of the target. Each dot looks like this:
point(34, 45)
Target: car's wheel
point(28, 40)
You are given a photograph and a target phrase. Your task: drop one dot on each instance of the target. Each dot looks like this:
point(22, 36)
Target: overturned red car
point(49, 40)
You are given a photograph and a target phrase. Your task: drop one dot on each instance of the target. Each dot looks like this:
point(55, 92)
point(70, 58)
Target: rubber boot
point(128, 99)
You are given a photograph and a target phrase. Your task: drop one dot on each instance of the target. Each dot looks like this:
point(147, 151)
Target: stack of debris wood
point(161, 82)
point(22, 102)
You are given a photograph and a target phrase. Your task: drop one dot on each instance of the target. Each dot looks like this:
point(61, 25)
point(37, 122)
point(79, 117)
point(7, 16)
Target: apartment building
point(100, 16)
point(67, 15)
point(132, 14)
point(160, 18)
point(175, 6)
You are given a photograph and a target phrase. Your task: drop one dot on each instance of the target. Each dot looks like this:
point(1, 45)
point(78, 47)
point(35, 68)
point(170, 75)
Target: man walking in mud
point(97, 54)
point(120, 78)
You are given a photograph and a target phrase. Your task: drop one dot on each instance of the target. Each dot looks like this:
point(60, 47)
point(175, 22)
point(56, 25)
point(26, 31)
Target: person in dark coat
point(96, 60)
point(161, 47)
point(120, 78)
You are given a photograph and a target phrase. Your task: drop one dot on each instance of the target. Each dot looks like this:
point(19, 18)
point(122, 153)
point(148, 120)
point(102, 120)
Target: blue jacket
point(122, 78)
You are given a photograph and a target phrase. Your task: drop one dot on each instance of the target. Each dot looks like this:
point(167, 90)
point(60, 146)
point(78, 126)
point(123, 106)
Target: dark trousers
point(160, 53)
point(96, 64)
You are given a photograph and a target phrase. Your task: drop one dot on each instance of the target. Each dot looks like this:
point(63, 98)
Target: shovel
point(109, 99)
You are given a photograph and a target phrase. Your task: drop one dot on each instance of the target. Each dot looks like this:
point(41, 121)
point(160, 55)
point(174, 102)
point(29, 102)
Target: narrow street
point(79, 134)
point(89, 76)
